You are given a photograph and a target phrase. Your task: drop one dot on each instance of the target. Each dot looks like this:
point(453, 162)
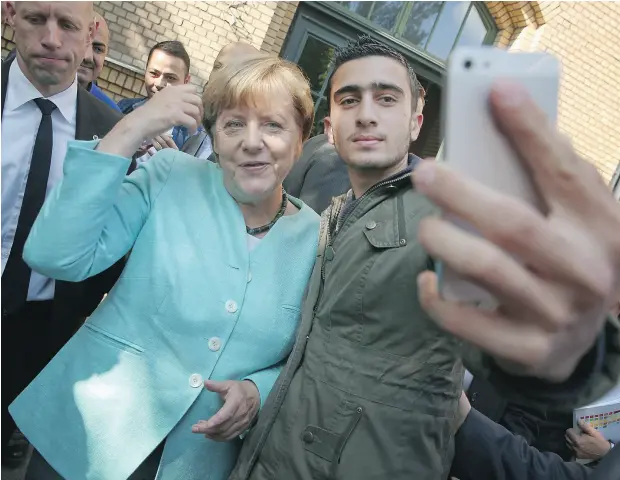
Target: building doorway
point(424, 32)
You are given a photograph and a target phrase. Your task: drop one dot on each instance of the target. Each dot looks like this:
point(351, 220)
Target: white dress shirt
point(205, 150)
point(252, 242)
point(20, 124)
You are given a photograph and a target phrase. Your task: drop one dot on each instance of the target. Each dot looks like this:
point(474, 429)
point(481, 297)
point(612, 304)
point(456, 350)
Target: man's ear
point(10, 10)
point(187, 79)
point(416, 125)
point(327, 124)
point(92, 30)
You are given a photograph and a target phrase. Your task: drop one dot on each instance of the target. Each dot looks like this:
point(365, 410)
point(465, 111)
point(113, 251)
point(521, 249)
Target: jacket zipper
point(336, 208)
point(368, 192)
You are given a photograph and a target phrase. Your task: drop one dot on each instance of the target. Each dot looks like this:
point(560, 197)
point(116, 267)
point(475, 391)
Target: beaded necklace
point(265, 228)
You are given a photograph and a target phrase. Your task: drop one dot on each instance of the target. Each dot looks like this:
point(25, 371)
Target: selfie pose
point(191, 339)
point(372, 386)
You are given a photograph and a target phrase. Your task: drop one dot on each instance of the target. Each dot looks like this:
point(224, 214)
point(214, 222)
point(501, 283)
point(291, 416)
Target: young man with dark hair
point(371, 388)
point(320, 174)
point(168, 63)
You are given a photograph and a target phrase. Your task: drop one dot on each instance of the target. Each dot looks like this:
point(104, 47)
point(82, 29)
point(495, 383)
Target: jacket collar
point(6, 66)
point(84, 120)
point(22, 92)
point(412, 162)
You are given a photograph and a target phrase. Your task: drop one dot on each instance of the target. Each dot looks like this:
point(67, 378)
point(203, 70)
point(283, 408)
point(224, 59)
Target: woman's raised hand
point(173, 106)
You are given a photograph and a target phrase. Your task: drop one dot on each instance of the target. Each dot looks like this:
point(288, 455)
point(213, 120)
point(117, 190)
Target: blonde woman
point(190, 341)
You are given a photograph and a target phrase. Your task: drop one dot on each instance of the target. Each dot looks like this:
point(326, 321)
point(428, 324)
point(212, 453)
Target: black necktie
point(16, 275)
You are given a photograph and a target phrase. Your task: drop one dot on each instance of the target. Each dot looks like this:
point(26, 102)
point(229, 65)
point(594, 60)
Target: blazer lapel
point(84, 121)
point(94, 119)
point(5, 80)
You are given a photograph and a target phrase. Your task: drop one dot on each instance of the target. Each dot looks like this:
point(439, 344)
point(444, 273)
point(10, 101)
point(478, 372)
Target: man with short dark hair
point(168, 63)
point(43, 108)
point(371, 388)
point(320, 174)
point(92, 65)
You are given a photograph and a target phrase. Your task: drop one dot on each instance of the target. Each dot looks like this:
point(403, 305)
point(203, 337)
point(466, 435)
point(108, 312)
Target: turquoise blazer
point(192, 304)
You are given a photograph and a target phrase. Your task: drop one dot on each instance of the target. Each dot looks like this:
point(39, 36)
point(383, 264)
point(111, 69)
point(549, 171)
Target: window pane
point(385, 14)
point(447, 28)
point(361, 8)
point(474, 30)
point(421, 21)
point(314, 61)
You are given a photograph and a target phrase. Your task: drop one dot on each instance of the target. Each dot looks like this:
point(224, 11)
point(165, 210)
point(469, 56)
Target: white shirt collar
point(21, 91)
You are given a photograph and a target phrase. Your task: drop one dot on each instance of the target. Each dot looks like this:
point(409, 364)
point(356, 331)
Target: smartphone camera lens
point(468, 64)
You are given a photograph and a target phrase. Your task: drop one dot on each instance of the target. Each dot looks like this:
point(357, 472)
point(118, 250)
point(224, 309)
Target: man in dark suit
point(43, 108)
point(318, 175)
point(484, 449)
point(544, 427)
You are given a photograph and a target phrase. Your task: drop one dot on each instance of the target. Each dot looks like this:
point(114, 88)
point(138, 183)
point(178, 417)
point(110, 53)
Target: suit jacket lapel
point(5, 80)
point(84, 123)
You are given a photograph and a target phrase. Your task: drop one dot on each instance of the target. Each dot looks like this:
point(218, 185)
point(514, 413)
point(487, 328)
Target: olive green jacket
point(371, 388)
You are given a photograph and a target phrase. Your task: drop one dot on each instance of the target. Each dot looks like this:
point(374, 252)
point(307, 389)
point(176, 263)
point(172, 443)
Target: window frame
point(401, 21)
point(615, 182)
point(338, 25)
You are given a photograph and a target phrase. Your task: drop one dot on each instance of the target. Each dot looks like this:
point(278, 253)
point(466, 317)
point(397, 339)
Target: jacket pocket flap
point(112, 339)
point(320, 442)
point(382, 235)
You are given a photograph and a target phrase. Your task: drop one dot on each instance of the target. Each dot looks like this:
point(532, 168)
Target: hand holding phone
point(554, 272)
point(473, 144)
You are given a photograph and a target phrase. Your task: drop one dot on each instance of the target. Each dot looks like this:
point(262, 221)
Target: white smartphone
point(472, 143)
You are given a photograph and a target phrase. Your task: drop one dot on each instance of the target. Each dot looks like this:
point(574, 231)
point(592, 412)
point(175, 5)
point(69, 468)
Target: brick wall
point(117, 80)
point(203, 27)
point(584, 36)
point(7, 40)
point(121, 81)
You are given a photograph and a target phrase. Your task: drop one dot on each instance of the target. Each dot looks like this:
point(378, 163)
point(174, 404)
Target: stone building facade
point(583, 35)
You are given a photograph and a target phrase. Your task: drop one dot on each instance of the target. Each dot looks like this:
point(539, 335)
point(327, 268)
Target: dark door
point(311, 46)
